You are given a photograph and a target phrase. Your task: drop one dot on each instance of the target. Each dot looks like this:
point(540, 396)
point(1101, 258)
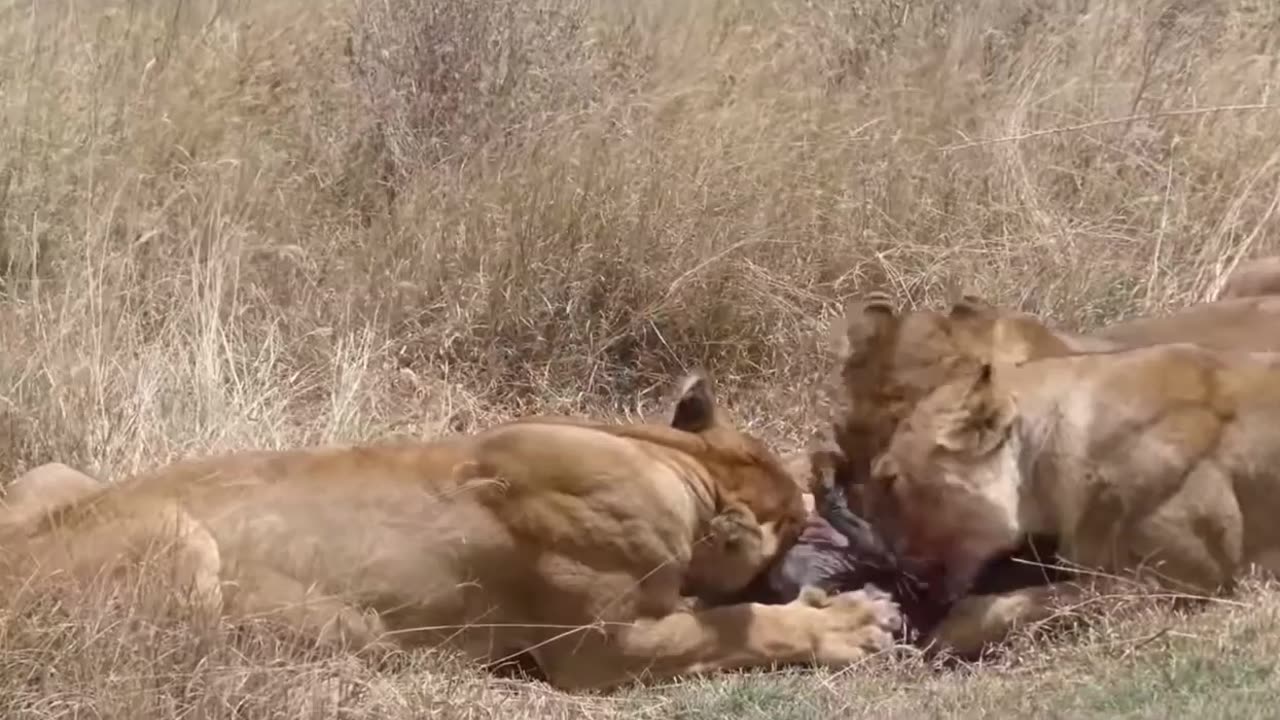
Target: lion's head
point(759, 510)
point(946, 491)
point(889, 360)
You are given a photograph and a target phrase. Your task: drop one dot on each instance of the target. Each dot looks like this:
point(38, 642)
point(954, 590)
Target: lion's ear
point(695, 409)
point(865, 321)
point(970, 324)
point(980, 419)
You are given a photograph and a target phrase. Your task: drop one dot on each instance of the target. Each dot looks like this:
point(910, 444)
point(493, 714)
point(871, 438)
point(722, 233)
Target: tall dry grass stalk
point(228, 224)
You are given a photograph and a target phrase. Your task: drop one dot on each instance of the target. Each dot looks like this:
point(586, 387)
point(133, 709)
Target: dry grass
point(228, 224)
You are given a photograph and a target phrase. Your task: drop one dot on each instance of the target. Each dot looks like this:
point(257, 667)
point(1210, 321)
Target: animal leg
point(159, 542)
point(827, 630)
point(45, 488)
point(262, 591)
point(1193, 542)
point(975, 622)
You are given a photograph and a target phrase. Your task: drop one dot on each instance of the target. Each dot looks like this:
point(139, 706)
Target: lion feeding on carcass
point(605, 552)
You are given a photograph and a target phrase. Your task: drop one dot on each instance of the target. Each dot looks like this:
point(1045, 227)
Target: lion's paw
point(851, 625)
point(733, 530)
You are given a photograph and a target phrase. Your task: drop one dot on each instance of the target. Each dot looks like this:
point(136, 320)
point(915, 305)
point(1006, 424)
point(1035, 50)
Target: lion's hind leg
point(42, 489)
point(157, 553)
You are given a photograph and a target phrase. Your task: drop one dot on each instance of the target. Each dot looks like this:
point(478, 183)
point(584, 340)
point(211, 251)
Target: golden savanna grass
point(231, 224)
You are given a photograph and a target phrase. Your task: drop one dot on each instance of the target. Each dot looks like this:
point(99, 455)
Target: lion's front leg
point(816, 628)
point(978, 621)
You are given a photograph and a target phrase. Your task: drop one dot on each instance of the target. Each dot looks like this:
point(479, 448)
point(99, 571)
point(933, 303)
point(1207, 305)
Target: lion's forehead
point(925, 357)
point(919, 358)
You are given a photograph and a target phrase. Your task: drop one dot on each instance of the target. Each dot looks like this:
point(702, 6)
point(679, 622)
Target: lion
point(1158, 461)
point(840, 550)
point(1257, 277)
point(889, 360)
point(603, 552)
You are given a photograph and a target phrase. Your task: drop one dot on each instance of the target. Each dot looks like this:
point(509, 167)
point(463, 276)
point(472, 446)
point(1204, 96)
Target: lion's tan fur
point(889, 359)
point(1162, 460)
point(1260, 276)
point(44, 487)
point(577, 542)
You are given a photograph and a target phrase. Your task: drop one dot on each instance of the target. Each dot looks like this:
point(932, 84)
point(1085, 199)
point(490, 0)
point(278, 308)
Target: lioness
point(577, 543)
point(889, 360)
point(1163, 460)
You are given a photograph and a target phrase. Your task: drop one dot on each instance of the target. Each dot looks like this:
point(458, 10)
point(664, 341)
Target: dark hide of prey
point(839, 551)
